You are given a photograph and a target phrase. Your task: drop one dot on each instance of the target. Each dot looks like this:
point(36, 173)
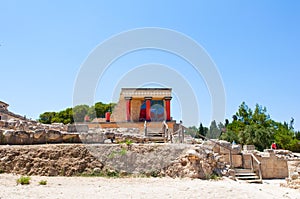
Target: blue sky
point(254, 44)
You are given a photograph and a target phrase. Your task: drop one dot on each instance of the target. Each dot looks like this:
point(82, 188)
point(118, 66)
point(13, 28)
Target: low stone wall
point(237, 158)
point(73, 159)
point(50, 136)
point(40, 136)
point(293, 181)
point(272, 166)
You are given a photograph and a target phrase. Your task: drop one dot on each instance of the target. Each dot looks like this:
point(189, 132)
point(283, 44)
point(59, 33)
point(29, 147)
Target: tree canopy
point(78, 113)
point(257, 128)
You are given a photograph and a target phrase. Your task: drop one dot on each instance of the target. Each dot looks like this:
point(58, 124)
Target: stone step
point(247, 177)
point(243, 171)
point(245, 174)
point(254, 181)
point(156, 139)
point(154, 133)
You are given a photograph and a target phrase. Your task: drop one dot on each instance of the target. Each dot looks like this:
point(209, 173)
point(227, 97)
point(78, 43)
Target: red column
point(168, 108)
point(148, 108)
point(128, 108)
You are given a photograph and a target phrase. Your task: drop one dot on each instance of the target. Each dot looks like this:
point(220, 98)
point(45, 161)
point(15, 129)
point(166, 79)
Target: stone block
point(77, 128)
point(249, 148)
point(54, 136)
point(237, 160)
point(39, 136)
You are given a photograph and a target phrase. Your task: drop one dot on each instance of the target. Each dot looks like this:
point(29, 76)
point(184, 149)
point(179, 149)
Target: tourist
point(274, 146)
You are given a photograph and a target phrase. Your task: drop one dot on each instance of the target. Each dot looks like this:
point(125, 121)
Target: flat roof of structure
point(146, 88)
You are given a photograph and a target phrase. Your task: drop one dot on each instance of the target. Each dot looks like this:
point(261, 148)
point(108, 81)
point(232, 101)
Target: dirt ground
point(97, 187)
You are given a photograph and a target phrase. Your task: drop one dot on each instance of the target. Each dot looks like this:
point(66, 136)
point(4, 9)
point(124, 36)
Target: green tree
point(192, 131)
point(46, 117)
point(202, 130)
point(79, 112)
point(102, 108)
point(283, 135)
point(92, 113)
point(257, 128)
point(244, 113)
point(229, 136)
point(297, 135)
point(214, 132)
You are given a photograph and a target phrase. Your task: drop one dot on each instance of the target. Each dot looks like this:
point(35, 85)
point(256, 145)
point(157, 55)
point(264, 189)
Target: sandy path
point(92, 187)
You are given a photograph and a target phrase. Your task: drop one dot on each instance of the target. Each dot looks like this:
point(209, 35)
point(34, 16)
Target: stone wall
point(294, 175)
point(119, 112)
point(47, 160)
point(237, 159)
point(152, 159)
point(135, 109)
point(272, 166)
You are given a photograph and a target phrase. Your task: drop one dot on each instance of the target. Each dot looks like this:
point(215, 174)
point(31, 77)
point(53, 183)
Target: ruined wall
point(237, 159)
point(119, 112)
point(67, 160)
point(272, 166)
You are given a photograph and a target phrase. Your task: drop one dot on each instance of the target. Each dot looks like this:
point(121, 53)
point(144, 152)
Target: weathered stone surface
point(54, 136)
point(237, 160)
point(3, 124)
point(47, 160)
point(194, 163)
point(248, 147)
point(272, 166)
point(39, 136)
point(23, 137)
point(70, 137)
point(77, 128)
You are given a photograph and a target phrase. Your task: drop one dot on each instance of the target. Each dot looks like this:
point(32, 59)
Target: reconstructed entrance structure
point(137, 105)
point(143, 104)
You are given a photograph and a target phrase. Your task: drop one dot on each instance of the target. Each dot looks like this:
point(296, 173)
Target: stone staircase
point(155, 135)
point(154, 132)
point(246, 175)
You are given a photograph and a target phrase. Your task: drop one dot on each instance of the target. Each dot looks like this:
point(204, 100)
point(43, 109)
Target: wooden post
point(145, 128)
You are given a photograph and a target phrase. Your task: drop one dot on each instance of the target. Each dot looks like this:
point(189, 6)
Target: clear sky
point(254, 44)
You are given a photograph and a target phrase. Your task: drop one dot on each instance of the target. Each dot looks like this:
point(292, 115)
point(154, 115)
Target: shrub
point(23, 180)
point(43, 182)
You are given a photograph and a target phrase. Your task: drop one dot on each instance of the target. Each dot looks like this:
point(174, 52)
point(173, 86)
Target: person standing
point(274, 146)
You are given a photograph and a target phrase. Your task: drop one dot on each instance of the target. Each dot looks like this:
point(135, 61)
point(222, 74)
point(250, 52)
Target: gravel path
point(96, 187)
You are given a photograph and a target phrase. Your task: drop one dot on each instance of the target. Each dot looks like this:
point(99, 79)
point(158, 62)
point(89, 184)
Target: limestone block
point(236, 150)
point(237, 160)
point(39, 136)
point(70, 137)
point(77, 128)
point(249, 148)
point(54, 136)
point(8, 136)
point(23, 137)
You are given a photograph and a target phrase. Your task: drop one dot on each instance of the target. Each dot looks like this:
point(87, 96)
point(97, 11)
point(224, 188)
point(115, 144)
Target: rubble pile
point(197, 162)
point(293, 181)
